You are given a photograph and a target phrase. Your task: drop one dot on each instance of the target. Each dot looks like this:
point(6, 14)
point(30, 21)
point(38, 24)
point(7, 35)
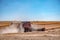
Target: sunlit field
point(52, 31)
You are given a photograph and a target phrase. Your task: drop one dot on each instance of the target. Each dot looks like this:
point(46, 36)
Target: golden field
point(52, 32)
point(46, 24)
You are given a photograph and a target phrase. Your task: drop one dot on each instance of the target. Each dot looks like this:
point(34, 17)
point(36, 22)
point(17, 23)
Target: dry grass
point(4, 23)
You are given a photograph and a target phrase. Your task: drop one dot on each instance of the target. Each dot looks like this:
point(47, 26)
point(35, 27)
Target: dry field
point(52, 33)
point(47, 35)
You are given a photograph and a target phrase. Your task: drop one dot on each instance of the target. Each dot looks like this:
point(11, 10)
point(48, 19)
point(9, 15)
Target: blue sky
point(30, 10)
